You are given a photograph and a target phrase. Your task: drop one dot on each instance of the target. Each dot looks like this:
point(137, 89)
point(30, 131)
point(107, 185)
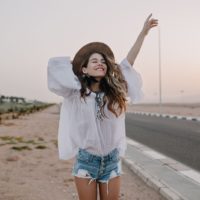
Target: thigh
point(110, 191)
point(86, 190)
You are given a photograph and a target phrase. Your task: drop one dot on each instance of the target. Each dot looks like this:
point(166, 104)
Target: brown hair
point(113, 85)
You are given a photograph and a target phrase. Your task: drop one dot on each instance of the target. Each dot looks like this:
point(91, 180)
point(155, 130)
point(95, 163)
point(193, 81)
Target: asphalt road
point(178, 139)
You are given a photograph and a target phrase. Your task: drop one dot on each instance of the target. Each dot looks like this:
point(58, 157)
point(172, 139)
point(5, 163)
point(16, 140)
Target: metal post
point(160, 78)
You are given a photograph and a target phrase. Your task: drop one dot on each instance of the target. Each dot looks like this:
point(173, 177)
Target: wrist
point(143, 33)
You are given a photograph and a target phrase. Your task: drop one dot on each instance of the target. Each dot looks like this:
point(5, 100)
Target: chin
point(100, 76)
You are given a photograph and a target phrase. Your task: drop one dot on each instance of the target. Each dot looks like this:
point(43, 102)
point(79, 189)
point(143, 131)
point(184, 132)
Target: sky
point(32, 31)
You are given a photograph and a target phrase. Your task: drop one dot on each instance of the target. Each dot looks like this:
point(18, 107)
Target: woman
point(92, 117)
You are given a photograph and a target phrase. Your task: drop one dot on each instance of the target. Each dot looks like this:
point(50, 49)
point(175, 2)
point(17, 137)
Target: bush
point(10, 109)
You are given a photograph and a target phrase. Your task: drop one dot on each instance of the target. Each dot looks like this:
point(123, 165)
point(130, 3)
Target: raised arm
point(132, 54)
point(132, 77)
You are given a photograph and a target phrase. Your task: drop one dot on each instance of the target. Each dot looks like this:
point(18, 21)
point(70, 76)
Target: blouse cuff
point(61, 79)
point(134, 81)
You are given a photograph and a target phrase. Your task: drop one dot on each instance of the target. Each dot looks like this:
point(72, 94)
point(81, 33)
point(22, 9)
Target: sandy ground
point(36, 173)
point(174, 109)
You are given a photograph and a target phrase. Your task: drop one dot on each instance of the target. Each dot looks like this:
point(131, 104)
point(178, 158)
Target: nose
point(100, 64)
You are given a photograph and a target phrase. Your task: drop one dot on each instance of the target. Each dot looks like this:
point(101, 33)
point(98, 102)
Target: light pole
point(159, 65)
point(181, 99)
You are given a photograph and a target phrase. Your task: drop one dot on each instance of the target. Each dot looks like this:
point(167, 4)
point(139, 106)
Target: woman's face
point(96, 66)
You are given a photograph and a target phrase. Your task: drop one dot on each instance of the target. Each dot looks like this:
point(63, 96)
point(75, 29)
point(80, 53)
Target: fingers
point(149, 23)
point(153, 26)
point(152, 21)
point(148, 17)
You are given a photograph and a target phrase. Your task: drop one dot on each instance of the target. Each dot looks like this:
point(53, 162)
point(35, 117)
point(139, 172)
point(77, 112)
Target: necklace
point(99, 104)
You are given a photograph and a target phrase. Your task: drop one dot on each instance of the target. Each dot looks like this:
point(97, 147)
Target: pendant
point(99, 104)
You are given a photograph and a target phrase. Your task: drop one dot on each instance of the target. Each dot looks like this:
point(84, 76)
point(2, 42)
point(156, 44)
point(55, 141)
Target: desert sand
point(30, 168)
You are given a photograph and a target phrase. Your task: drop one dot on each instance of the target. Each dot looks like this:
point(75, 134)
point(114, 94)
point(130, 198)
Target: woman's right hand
point(148, 24)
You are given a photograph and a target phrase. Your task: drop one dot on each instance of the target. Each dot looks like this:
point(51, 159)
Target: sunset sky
point(32, 31)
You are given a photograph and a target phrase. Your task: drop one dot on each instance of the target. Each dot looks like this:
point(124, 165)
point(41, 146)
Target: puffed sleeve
point(60, 77)
point(134, 81)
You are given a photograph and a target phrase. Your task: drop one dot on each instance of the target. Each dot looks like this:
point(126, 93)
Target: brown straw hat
point(87, 50)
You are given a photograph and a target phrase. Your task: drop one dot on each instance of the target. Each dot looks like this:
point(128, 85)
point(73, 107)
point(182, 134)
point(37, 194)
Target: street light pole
point(159, 64)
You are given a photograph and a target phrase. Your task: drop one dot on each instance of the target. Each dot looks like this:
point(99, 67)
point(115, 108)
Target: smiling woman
point(96, 67)
point(92, 118)
point(99, 73)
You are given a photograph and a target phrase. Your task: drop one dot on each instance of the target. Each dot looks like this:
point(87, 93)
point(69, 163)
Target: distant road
point(178, 139)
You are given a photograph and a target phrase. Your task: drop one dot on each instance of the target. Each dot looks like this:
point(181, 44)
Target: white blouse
point(78, 125)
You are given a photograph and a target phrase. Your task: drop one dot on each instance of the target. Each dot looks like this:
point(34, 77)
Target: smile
point(100, 69)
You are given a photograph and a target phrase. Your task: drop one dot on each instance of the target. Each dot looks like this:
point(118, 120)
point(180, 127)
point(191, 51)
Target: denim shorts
point(98, 168)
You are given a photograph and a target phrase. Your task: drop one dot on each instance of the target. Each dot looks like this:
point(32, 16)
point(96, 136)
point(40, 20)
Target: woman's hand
point(149, 23)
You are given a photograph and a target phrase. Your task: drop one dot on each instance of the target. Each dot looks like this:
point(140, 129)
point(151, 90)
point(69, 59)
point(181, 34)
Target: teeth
point(100, 69)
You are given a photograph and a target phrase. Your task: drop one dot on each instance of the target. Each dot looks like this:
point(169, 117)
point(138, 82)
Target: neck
point(95, 87)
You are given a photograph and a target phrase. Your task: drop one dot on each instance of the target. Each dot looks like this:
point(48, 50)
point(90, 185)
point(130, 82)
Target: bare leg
point(85, 190)
point(113, 189)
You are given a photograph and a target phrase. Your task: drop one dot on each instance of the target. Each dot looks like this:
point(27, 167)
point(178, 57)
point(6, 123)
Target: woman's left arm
point(132, 54)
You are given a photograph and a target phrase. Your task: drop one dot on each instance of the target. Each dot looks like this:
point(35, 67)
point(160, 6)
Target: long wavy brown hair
point(113, 84)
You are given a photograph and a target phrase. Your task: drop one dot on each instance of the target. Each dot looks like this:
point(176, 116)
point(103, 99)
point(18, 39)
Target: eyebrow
point(97, 59)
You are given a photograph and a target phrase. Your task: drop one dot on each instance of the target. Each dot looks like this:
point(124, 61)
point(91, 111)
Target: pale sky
point(32, 31)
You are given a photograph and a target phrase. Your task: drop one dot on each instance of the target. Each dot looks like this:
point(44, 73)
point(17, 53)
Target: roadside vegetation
point(12, 107)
